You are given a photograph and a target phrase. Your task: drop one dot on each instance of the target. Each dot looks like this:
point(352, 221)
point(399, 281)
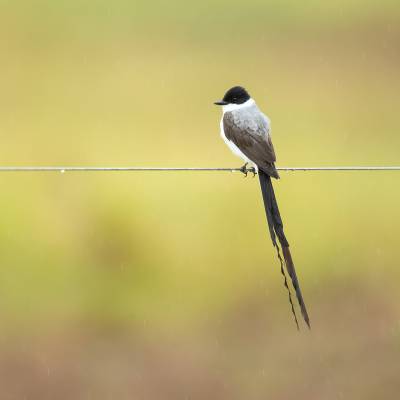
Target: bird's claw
point(244, 170)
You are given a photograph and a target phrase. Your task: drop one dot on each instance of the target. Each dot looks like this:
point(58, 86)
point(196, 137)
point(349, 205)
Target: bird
point(247, 132)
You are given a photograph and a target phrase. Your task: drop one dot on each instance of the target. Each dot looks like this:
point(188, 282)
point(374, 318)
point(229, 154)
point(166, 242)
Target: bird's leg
point(243, 169)
point(253, 171)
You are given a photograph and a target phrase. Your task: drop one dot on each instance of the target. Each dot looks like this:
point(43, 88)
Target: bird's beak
point(221, 103)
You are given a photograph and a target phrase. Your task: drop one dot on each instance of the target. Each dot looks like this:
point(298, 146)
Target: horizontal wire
point(188, 169)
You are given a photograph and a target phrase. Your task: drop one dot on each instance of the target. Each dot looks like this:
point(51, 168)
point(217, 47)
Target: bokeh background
point(165, 285)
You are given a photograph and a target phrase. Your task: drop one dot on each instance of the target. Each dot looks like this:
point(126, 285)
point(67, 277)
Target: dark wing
point(251, 136)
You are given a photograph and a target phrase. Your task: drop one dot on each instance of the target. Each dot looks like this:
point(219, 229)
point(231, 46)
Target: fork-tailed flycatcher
point(246, 131)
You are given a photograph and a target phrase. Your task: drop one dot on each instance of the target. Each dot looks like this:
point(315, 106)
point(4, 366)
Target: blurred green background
point(165, 285)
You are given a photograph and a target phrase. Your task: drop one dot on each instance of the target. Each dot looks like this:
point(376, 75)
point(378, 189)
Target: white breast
point(235, 150)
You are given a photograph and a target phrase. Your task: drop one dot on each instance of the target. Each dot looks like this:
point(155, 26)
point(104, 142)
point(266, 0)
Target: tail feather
point(275, 226)
point(292, 273)
point(285, 282)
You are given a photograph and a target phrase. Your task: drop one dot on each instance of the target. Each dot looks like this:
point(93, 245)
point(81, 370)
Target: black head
point(235, 95)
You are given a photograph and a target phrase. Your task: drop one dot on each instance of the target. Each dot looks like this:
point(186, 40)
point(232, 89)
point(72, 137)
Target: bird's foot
point(244, 170)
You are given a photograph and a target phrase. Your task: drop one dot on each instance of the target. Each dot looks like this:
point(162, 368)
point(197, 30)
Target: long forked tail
point(275, 226)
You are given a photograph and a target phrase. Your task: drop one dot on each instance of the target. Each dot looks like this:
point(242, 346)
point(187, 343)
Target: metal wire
point(186, 169)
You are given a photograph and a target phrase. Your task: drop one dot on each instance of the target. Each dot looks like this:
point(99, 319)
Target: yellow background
point(165, 285)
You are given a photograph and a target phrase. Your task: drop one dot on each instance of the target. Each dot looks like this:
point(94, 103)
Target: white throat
point(232, 106)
